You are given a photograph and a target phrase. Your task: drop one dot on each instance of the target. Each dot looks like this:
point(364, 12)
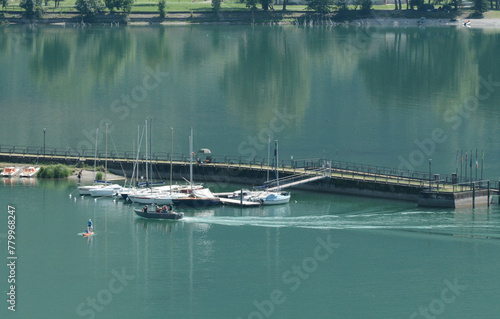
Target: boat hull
point(155, 215)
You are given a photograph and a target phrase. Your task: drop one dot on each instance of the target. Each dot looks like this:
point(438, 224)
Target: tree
point(266, 4)
point(216, 6)
point(32, 8)
point(366, 6)
point(4, 4)
point(162, 5)
point(480, 6)
point(285, 2)
point(251, 4)
point(89, 8)
point(320, 6)
point(124, 5)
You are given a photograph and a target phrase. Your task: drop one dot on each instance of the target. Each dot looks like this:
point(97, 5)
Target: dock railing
point(296, 167)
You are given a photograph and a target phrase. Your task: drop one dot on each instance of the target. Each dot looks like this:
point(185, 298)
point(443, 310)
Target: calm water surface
point(387, 96)
point(322, 255)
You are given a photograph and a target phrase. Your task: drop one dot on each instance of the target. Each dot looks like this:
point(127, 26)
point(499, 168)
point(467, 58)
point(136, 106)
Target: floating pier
point(240, 203)
point(317, 175)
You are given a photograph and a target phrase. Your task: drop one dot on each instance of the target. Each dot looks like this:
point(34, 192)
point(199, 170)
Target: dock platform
point(240, 203)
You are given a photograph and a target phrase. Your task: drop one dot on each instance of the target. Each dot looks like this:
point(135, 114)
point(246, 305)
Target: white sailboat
point(267, 197)
point(105, 190)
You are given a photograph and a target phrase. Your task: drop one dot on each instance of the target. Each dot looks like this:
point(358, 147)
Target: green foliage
point(251, 4)
point(98, 176)
point(320, 6)
point(54, 171)
point(32, 8)
point(89, 8)
point(124, 5)
point(162, 5)
point(4, 3)
point(266, 4)
point(480, 7)
point(216, 6)
point(366, 6)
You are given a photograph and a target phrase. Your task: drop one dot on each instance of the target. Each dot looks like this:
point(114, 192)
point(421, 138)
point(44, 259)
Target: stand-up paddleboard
point(88, 234)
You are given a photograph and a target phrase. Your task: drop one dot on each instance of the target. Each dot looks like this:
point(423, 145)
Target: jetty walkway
point(433, 190)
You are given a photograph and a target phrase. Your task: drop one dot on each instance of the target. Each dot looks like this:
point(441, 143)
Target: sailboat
point(163, 195)
point(198, 197)
point(105, 190)
point(85, 190)
point(267, 197)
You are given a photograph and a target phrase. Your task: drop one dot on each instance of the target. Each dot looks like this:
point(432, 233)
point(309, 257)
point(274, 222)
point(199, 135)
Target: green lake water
point(384, 96)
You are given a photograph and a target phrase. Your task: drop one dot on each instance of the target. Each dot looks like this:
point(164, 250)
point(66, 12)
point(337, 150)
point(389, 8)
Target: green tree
point(320, 6)
point(266, 4)
point(4, 4)
point(89, 8)
point(32, 8)
point(251, 4)
point(124, 5)
point(480, 6)
point(216, 6)
point(162, 5)
point(366, 6)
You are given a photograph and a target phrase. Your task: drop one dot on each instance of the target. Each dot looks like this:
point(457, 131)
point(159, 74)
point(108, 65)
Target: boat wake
point(436, 222)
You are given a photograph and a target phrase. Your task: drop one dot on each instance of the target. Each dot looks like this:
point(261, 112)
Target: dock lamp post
point(430, 170)
point(44, 129)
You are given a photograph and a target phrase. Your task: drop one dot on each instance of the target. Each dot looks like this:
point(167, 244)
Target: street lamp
point(430, 164)
point(44, 129)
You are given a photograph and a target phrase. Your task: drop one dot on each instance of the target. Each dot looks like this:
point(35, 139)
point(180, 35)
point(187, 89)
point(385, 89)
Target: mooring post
point(241, 197)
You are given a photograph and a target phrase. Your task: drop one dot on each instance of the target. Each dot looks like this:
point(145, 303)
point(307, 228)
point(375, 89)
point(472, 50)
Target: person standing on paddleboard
point(91, 226)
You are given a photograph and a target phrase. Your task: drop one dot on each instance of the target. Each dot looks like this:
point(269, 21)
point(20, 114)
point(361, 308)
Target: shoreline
point(378, 18)
point(87, 176)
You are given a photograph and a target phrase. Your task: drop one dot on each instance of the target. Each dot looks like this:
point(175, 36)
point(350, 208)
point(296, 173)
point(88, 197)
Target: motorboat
point(158, 214)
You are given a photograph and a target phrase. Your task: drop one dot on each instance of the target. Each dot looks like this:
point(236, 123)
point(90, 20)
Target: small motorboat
point(158, 214)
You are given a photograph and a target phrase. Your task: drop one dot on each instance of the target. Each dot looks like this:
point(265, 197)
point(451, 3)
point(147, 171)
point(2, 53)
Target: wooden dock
point(240, 203)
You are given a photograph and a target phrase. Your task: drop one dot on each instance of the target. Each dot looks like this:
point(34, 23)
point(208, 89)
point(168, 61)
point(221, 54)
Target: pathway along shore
point(378, 18)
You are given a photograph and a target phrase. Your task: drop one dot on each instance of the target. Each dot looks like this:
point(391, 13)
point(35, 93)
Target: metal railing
point(348, 170)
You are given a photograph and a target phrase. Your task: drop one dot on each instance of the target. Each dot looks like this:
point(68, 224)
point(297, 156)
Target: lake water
point(387, 96)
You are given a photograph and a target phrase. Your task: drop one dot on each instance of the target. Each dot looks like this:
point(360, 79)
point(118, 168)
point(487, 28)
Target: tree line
point(89, 9)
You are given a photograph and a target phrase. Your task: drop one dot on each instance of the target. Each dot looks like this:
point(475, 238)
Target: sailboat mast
point(95, 155)
point(171, 151)
point(277, 170)
point(147, 170)
point(137, 159)
point(268, 155)
point(151, 151)
point(106, 162)
point(191, 159)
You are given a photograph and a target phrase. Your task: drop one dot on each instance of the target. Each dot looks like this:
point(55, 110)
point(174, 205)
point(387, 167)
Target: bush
point(54, 171)
point(98, 176)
